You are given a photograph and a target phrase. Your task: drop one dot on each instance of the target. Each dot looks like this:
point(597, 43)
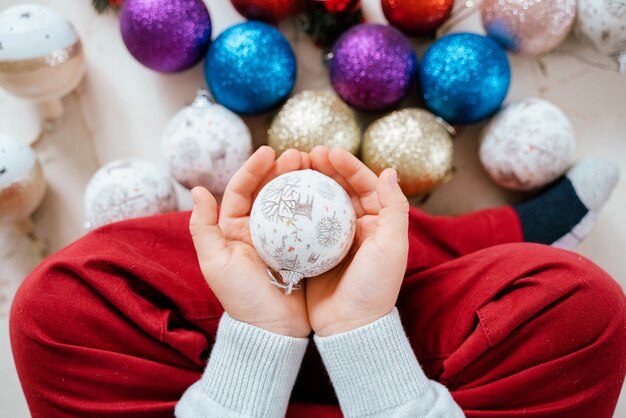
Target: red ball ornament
point(338, 6)
point(271, 11)
point(415, 17)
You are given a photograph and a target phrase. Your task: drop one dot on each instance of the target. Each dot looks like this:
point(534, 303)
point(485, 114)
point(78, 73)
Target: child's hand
point(229, 262)
point(363, 287)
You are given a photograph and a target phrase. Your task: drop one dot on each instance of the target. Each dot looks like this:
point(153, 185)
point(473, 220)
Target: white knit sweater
point(251, 373)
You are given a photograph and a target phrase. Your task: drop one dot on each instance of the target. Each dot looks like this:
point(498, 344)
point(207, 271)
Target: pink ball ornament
point(529, 27)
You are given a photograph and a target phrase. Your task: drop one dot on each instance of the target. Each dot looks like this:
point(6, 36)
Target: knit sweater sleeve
point(250, 374)
point(376, 374)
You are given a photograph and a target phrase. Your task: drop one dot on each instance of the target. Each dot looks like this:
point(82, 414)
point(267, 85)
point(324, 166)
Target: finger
point(393, 219)
point(321, 163)
point(306, 160)
point(237, 199)
point(359, 177)
point(208, 238)
point(290, 160)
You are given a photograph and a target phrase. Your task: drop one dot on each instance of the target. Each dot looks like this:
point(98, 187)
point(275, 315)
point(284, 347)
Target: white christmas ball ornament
point(126, 189)
point(602, 25)
point(527, 145)
point(205, 144)
point(22, 183)
point(302, 224)
point(41, 56)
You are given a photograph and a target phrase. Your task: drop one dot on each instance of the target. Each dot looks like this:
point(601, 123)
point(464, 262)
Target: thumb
point(208, 237)
point(393, 218)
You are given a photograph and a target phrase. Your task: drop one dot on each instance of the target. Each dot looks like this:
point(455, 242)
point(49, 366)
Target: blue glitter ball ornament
point(465, 77)
point(250, 68)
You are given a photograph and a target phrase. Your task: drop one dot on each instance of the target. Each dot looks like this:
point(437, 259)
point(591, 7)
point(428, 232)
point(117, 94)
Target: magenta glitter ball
point(372, 66)
point(166, 35)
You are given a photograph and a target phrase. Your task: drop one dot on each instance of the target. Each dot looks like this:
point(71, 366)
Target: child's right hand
point(229, 262)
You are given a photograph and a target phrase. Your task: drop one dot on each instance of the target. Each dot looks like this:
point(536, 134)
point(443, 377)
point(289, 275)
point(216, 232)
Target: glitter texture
point(372, 66)
point(415, 143)
point(312, 118)
point(530, 27)
point(166, 35)
point(251, 68)
point(271, 11)
point(465, 77)
point(415, 17)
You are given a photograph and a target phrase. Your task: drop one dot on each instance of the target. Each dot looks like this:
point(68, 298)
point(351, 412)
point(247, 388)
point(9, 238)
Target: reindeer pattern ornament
point(205, 144)
point(527, 145)
point(125, 189)
point(302, 224)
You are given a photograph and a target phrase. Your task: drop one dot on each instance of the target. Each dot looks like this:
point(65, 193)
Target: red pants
point(121, 322)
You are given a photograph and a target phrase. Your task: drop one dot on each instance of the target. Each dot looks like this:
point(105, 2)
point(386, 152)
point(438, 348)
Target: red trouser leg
point(121, 322)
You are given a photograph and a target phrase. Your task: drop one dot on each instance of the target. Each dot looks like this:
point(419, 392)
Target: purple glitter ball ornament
point(166, 35)
point(372, 66)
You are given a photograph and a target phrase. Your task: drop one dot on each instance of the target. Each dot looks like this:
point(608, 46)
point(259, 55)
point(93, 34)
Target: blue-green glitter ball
point(250, 68)
point(465, 77)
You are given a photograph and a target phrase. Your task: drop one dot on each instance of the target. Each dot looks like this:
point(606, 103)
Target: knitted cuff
point(251, 371)
point(373, 368)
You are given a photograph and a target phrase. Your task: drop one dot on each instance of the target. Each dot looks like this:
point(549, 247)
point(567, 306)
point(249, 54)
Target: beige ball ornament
point(22, 183)
point(416, 143)
point(302, 224)
point(205, 144)
point(41, 56)
point(125, 189)
point(312, 118)
point(527, 145)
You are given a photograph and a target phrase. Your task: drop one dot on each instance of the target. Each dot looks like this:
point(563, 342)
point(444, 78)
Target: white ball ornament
point(41, 56)
point(22, 183)
point(527, 145)
point(302, 224)
point(126, 189)
point(602, 25)
point(205, 144)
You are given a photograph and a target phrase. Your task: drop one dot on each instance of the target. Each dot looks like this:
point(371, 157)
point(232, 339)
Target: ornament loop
point(289, 280)
point(203, 99)
point(446, 125)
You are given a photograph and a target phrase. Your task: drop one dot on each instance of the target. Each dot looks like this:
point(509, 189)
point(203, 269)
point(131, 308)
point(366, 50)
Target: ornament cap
point(446, 125)
point(289, 279)
point(621, 61)
point(203, 99)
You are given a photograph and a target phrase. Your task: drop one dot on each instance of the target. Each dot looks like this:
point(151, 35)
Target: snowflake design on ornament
point(113, 204)
point(326, 264)
point(328, 231)
point(616, 8)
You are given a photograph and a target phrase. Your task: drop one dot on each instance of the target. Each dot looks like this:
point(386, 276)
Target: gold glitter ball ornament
point(414, 142)
point(312, 118)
